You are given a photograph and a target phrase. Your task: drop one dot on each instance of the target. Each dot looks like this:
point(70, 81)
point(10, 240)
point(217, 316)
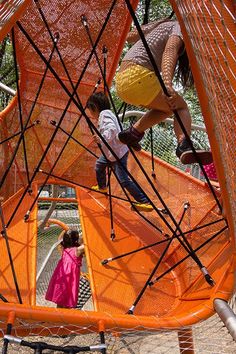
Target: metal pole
point(7, 89)
point(185, 337)
point(227, 315)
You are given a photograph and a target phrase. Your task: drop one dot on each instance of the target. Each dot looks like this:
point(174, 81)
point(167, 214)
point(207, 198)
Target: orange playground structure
point(161, 270)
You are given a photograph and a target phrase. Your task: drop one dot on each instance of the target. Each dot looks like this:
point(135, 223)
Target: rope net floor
point(187, 256)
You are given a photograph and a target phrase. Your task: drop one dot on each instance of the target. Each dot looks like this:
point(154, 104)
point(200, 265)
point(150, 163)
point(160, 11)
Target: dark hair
point(184, 74)
point(70, 239)
point(98, 101)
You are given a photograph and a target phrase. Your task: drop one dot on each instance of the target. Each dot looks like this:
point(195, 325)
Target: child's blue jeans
point(102, 163)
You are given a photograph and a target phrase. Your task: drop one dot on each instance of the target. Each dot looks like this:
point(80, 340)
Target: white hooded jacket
point(109, 128)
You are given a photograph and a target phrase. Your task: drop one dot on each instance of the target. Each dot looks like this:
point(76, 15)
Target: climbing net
point(68, 138)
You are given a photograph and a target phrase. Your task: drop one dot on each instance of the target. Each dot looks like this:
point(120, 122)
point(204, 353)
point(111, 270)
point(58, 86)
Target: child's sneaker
point(142, 207)
point(131, 137)
point(186, 155)
point(97, 189)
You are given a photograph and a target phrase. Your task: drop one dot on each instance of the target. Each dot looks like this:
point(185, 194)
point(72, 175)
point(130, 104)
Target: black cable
point(104, 52)
point(19, 104)
point(65, 88)
point(5, 236)
point(59, 155)
point(71, 96)
point(56, 47)
point(41, 159)
point(5, 341)
point(113, 196)
point(152, 153)
point(27, 121)
point(156, 70)
point(62, 83)
point(85, 23)
point(111, 259)
point(108, 260)
point(54, 123)
point(185, 244)
point(186, 257)
point(123, 107)
point(113, 235)
point(138, 298)
point(16, 134)
point(102, 339)
point(106, 87)
point(3, 298)
point(146, 13)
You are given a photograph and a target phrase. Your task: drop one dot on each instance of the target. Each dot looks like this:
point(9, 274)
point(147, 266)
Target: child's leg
point(100, 168)
point(127, 183)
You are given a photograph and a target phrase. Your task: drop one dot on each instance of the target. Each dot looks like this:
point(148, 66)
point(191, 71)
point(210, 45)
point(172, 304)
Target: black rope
point(45, 151)
point(27, 122)
point(146, 13)
point(123, 107)
point(108, 260)
point(5, 236)
point(102, 339)
point(62, 83)
point(3, 298)
point(85, 23)
point(104, 52)
point(154, 65)
point(113, 196)
point(185, 244)
point(56, 47)
point(93, 45)
point(16, 134)
point(19, 104)
point(53, 71)
point(59, 155)
point(111, 259)
point(186, 257)
point(205, 225)
point(5, 341)
point(113, 235)
point(152, 153)
point(131, 310)
point(71, 96)
point(54, 123)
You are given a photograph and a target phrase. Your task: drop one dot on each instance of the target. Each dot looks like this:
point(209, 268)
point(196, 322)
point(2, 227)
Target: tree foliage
point(7, 71)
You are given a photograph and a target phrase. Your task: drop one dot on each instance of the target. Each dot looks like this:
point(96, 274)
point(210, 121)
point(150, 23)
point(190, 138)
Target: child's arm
point(79, 250)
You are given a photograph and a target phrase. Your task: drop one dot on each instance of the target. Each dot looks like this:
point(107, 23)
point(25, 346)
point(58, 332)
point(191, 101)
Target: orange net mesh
point(181, 297)
point(210, 32)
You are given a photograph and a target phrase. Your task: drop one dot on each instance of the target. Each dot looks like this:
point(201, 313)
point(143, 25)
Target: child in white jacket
point(99, 107)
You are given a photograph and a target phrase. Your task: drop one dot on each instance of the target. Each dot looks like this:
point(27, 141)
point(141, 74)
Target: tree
point(7, 71)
